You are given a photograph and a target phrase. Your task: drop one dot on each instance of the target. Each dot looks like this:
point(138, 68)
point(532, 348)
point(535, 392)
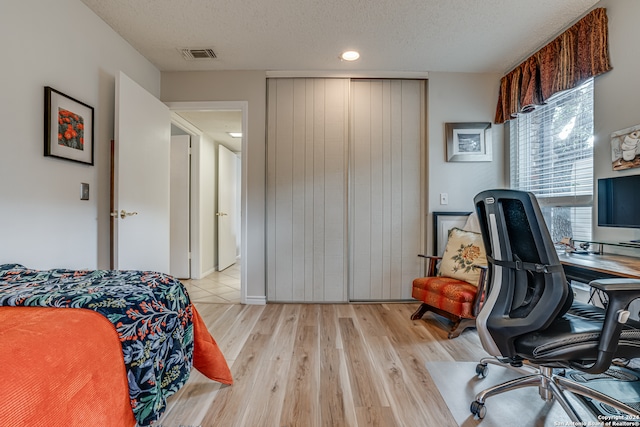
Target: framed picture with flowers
point(68, 127)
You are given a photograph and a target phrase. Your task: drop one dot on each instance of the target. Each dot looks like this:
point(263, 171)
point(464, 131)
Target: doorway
point(209, 124)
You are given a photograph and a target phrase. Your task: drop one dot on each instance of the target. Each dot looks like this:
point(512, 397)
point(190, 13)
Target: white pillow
point(472, 223)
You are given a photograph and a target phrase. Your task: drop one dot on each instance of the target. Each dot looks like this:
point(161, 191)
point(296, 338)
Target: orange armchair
point(456, 290)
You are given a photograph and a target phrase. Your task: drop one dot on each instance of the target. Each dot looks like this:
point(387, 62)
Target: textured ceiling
point(297, 35)
point(308, 35)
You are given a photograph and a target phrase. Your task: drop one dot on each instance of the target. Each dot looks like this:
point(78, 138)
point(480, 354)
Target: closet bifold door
point(307, 132)
point(386, 188)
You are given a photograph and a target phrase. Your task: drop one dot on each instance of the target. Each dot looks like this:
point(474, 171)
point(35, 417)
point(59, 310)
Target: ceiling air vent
point(193, 54)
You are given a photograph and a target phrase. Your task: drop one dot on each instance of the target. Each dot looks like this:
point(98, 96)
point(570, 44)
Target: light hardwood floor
point(322, 365)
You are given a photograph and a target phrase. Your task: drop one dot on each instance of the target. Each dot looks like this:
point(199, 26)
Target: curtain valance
point(579, 53)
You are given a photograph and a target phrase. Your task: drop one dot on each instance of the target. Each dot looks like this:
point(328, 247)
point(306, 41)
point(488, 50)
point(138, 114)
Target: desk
point(587, 267)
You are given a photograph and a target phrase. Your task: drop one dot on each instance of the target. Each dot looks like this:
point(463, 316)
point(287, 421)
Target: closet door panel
point(376, 168)
point(280, 206)
point(298, 259)
point(385, 155)
point(361, 182)
point(395, 218)
point(336, 115)
point(412, 189)
point(306, 187)
point(317, 261)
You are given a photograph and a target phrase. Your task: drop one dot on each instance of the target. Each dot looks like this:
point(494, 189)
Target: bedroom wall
point(451, 97)
point(461, 97)
point(616, 100)
point(43, 222)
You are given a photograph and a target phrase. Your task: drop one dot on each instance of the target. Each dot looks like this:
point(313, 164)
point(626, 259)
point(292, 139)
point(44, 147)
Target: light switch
point(84, 191)
point(444, 198)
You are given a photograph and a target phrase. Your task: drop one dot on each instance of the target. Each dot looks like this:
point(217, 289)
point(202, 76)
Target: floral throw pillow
point(463, 252)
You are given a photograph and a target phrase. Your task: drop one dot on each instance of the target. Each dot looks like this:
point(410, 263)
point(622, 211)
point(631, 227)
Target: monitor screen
point(619, 201)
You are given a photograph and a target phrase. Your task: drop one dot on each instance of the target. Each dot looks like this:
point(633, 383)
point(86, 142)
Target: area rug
point(458, 384)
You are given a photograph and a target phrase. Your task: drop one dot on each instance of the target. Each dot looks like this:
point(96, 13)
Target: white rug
point(458, 384)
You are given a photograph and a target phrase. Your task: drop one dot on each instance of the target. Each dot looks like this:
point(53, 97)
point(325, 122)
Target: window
point(552, 157)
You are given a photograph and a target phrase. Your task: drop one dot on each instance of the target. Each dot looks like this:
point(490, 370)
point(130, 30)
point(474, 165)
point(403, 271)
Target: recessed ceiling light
point(235, 134)
point(350, 55)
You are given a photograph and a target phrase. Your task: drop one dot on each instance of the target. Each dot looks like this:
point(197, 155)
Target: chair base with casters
point(551, 386)
point(451, 298)
point(483, 366)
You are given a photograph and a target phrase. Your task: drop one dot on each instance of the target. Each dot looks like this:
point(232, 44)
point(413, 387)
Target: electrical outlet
point(444, 199)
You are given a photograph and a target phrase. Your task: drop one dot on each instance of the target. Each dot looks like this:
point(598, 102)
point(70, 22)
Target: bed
point(97, 347)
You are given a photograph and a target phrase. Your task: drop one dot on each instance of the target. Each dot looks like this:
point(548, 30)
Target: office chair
point(526, 315)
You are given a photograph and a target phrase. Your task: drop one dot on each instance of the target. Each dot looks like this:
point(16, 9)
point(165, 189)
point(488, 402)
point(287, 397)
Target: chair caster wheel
point(478, 409)
point(481, 370)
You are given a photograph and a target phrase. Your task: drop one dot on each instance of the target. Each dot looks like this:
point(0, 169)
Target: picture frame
point(625, 148)
point(469, 142)
point(68, 127)
point(442, 223)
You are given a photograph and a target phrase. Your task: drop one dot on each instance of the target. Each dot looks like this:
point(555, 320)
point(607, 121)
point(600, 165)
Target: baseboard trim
point(256, 300)
point(205, 273)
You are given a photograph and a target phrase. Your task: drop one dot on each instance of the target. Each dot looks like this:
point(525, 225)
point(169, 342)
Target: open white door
point(227, 215)
point(141, 179)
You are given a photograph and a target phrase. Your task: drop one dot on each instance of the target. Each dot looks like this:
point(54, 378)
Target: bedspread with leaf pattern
point(150, 311)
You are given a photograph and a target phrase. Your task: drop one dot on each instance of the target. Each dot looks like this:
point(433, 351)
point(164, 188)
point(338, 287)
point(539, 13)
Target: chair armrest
point(615, 285)
point(481, 285)
point(431, 264)
point(621, 292)
point(430, 256)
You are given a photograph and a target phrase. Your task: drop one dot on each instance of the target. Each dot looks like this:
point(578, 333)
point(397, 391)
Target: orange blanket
point(64, 367)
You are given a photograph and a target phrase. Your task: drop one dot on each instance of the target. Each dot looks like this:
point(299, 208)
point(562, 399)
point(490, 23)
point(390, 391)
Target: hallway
point(221, 287)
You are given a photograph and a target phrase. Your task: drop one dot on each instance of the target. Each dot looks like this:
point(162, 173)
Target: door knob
point(124, 214)
point(220, 214)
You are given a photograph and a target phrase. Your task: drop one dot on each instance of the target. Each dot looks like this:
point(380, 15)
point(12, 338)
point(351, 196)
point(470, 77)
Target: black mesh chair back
point(527, 286)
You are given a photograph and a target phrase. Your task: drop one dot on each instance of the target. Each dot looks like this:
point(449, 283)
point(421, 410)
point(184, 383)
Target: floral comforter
point(150, 311)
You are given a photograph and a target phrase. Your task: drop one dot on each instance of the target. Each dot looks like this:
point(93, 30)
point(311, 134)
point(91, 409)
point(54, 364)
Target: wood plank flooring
point(322, 365)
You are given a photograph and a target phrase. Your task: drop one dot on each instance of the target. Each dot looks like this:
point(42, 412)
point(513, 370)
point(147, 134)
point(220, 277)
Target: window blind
point(552, 157)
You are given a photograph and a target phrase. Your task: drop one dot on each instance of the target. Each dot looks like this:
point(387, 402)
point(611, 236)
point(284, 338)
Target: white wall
point(452, 97)
point(461, 97)
point(43, 222)
point(617, 99)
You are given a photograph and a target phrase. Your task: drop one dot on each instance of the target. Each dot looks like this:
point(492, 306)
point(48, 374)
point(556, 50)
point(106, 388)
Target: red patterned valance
point(571, 58)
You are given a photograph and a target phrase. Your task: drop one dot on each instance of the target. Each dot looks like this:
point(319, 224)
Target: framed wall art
point(468, 142)
point(442, 223)
point(625, 148)
point(68, 127)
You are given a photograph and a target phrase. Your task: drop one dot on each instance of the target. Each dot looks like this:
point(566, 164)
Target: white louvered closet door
point(307, 131)
point(386, 196)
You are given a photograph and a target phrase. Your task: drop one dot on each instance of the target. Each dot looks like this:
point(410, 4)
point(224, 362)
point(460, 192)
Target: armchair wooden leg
point(420, 312)
point(460, 325)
